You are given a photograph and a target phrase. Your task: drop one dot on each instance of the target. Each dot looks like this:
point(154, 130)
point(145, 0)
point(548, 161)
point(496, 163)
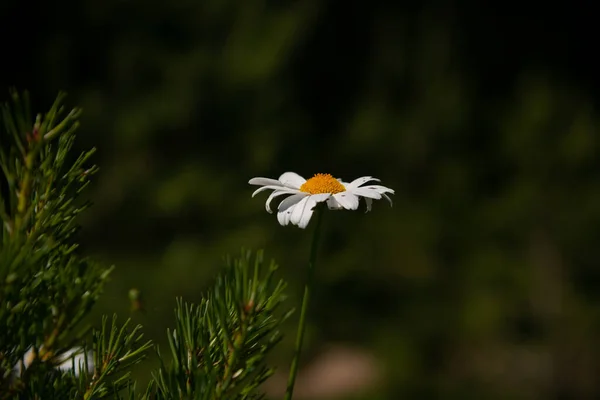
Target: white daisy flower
point(64, 362)
point(305, 194)
point(76, 357)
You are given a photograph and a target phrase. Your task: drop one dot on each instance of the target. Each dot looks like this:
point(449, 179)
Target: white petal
point(364, 192)
point(348, 200)
point(369, 202)
point(299, 210)
point(388, 198)
point(379, 188)
point(273, 187)
point(263, 181)
point(360, 181)
point(284, 216)
point(345, 184)
point(292, 180)
point(332, 204)
point(275, 194)
point(305, 219)
point(321, 197)
point(309, 209)
point(76, 354)
point(290, 201)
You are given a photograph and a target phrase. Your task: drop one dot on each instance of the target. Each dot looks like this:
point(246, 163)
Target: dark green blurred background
point(482, 282)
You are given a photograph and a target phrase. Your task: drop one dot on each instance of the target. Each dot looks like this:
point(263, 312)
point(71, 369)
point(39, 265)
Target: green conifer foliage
point(47, 287)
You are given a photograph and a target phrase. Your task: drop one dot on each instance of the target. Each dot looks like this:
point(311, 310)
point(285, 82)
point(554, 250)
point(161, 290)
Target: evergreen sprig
point(46, 287)
point(115, 351)
point(219, 346)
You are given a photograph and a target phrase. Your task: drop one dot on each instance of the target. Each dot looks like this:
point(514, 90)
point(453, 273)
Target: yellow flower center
point(322, 183)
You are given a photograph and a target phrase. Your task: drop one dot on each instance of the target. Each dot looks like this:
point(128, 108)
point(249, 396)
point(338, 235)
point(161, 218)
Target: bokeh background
point(482, 281)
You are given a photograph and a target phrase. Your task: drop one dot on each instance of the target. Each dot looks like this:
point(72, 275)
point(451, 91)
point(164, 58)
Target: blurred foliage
point(481, 282)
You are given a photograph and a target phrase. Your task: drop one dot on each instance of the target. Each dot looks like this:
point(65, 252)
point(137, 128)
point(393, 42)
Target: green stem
point(24, 190)
point(305, 300)
point(231, 362)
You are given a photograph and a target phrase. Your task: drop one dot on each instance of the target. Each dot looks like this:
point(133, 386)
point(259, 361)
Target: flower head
point(304, 195)
point(73, 357)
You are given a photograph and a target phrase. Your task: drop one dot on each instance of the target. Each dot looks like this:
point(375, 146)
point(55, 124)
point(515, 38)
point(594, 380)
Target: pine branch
point(46, 288)
point(115, 351)
point(219, 346)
